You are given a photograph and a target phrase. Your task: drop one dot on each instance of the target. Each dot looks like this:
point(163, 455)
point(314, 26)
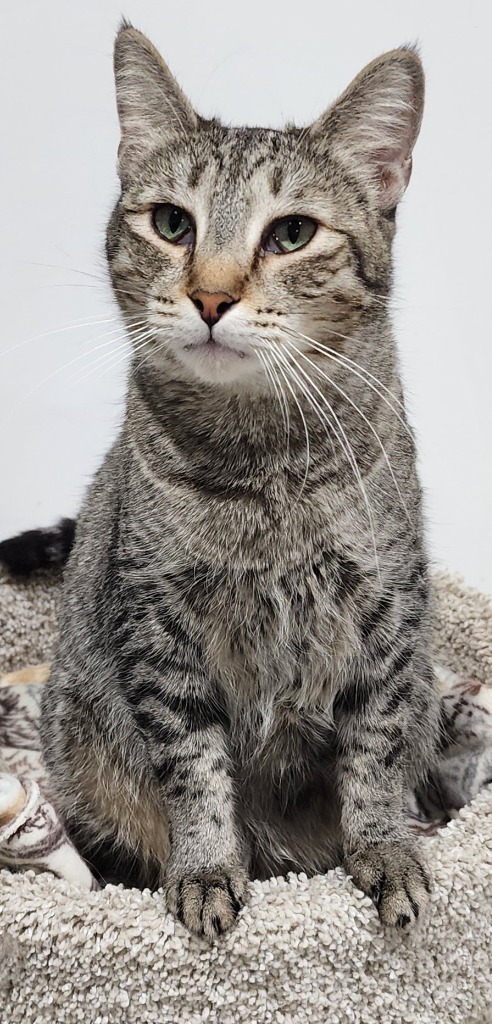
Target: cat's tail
point(38, 549)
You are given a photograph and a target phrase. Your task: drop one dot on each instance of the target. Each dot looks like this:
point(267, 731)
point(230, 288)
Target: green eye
point(289, 234)
point(173, 224)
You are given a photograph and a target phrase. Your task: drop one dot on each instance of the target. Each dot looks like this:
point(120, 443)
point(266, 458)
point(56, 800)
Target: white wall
point(265, 61)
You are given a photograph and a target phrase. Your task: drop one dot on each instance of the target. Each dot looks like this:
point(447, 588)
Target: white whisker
point(343, 359)
point(59, 369)
point(110, 359)
point(115, 359)
point(84, 322)
point(121, 333)
point(311, 401)
point(364, 417)
point(284, 408)
point(143, 348)
point(274, 354)
point(348, 450)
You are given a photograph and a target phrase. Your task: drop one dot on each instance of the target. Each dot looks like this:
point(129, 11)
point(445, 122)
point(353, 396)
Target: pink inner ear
point(394, 170)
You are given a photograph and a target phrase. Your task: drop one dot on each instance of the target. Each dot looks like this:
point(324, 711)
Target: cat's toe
point(207, 902)
point(393, 876)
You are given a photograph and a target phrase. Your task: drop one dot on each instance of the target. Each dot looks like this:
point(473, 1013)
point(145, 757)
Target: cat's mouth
point(219, 355)
point(213, 348)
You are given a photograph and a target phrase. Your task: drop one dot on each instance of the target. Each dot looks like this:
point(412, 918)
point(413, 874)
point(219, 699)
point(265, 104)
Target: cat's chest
point(282, 637)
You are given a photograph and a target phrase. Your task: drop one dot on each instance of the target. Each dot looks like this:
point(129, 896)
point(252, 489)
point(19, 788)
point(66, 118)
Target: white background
point(263, 61)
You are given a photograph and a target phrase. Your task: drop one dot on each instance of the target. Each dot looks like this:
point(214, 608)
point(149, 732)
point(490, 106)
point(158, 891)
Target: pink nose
point(212, 305)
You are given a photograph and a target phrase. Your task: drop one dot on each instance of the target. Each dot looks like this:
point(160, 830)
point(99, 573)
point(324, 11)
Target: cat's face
point(229, 246)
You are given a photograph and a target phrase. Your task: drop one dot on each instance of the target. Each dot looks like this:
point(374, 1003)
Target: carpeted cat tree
point(303, 950)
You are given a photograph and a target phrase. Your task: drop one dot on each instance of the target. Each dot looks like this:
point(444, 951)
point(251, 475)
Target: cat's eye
point(173, 224)
point(289, 234)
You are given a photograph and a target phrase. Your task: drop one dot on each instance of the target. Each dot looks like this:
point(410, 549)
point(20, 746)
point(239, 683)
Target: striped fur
point(242, 684)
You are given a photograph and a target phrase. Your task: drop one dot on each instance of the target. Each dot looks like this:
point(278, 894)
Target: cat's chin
point(217, 363)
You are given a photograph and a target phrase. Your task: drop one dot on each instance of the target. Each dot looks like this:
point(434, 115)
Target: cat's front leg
point(378, 726)
point(186, 734)
point(206, 876)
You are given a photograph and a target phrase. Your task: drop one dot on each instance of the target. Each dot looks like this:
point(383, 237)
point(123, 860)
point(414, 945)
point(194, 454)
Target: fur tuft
point(124, 24)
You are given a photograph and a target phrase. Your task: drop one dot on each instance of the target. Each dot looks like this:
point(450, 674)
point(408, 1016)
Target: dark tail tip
point(38, 549)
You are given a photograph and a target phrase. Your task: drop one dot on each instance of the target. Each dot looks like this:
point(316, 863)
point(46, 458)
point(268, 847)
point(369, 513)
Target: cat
point(242, 684)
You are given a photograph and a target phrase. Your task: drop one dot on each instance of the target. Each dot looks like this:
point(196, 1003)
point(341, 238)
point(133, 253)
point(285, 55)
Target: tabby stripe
point(202, 903)
point(158, 731)
point(179, 902)
point(411, 900)
point(394, 753)
point(236, 905)
point(348, 579)
point(176, 791)
point(379, 890)
point(372, 286)
point(400, 694)
point(372, 620)
point(401, 662)
point(198, 713)
point(166, 767)
point(425, 880)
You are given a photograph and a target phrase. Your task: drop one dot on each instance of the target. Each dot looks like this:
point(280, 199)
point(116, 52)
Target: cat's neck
point(248, 433)
point(193, 450)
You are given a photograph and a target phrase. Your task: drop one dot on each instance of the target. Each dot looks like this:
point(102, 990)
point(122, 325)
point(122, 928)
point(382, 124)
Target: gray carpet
point(303, 952)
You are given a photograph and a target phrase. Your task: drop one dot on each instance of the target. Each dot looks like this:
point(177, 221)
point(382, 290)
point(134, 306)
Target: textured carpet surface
point(303, 950)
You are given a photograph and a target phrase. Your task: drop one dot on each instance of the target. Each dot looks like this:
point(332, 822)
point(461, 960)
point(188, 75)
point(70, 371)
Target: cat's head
point(230, 245)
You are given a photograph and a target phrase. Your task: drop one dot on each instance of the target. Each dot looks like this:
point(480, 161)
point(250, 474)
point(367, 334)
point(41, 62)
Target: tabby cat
point(242, 685)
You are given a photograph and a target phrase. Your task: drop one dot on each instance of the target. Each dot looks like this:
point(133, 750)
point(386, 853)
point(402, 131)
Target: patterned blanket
point(32, 837)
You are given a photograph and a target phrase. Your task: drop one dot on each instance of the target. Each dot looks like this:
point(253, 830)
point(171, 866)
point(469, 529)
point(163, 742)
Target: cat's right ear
point(150, 103)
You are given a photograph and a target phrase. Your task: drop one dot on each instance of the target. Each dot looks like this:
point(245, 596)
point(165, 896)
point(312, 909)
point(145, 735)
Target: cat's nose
point(212, 305)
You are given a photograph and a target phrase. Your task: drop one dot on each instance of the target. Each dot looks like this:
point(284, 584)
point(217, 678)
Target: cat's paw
point(393, 876)
point(208, 901)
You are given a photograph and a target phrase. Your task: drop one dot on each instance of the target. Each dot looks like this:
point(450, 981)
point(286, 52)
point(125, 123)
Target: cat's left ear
point(374, 124)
